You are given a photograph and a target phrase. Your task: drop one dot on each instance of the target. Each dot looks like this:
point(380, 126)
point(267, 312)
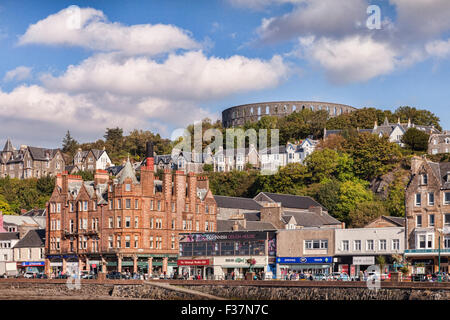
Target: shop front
point(232, 254)
point(192, 268)
point(235, 267)
point(303, 265)
point(353, 265)
point(426, 261)
point(31, 266)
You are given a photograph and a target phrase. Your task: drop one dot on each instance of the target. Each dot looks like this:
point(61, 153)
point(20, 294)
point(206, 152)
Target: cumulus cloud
point(422, 18)
point(190, 76)
point(353, 59)
point(90, 28)
point(123, 84)
point(319, 18)
point(438, 48)
point(18, 74)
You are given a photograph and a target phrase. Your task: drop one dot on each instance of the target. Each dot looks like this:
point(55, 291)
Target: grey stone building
point(30, 162)
point(439, 143)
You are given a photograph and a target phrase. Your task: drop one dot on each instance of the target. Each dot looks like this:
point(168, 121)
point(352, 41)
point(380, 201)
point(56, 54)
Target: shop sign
point(366, 261)
point(202, 237)
point(198, 262)
point(33, 264)
point(55, 264)
point(300, 260)
point(420, 270)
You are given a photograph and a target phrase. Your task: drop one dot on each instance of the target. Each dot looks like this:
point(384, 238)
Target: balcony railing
point(445, 250)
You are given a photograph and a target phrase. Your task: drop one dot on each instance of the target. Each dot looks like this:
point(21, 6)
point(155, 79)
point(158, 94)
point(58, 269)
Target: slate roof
point(395, 220)
point(42, 153)
point(20, 220)
point(237, 203)
point(292, 201)
point(227, 225)
point(114, 170)
point(127, 172)
point(33, 239)
point(35, 213)
point(4, 236)
point(311, 219)
point(444, 168)
point(8, 146)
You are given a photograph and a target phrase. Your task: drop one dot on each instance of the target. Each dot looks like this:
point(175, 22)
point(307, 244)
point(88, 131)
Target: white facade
point(370, 241)
point(7, 264)
point(274, 158)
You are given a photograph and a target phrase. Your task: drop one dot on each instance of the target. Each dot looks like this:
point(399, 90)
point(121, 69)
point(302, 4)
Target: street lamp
point(439, 255)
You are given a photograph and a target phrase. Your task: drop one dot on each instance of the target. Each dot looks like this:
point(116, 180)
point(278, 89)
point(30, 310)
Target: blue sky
point(159, 65)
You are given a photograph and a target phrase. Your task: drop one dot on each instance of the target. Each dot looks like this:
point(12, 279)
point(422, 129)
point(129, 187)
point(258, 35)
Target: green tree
point(325, 164)
point(417, 116)
point(113, 139)
point(352, 194)
point(5, 208)
point(372, 155)
point(366, 212)
point(416, 139)
point(328, 194)
point(208, 167)
point(70, 145)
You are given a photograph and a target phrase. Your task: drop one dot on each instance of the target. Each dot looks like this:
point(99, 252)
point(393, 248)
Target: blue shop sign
point(33, 264)
point(300, 260)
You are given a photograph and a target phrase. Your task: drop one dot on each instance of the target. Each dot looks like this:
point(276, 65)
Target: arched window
point(259, 111)
point(294, 108)
point(267, 110)
point(253, 110)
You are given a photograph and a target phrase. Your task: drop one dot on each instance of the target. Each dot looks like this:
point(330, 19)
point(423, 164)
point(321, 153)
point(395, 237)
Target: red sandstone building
point(124, 223)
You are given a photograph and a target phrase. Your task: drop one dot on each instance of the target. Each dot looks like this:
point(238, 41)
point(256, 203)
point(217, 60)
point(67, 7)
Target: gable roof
point(42, 153)
point(127, 172)
point(4, 236)
point(399, 221)
point(33, 238)
point(8, 146)
point(35, 213)
point(237, 203)
point(292, 201)
point(311, 219)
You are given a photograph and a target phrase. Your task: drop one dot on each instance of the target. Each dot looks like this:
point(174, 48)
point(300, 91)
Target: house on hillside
point(30, 162)
point(92, 160)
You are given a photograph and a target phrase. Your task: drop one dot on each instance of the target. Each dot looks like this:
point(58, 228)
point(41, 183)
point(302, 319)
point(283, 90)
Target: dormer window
point(127, 187)
point(424, 179)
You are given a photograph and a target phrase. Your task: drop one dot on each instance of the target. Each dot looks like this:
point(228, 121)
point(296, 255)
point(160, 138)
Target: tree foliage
point(416, 139)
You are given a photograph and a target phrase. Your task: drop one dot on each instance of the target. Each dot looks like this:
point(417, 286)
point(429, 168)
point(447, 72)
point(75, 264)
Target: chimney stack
point(1, 222)
point(148, 172)
point(101, 176)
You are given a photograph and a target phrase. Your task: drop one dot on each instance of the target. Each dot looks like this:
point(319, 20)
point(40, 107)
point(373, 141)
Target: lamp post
point(439, 255)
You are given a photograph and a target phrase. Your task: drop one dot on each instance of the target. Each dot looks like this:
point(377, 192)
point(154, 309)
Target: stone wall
point(241, 290)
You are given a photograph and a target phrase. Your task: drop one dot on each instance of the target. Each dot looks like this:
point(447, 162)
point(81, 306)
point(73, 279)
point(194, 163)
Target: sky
point(85, 66)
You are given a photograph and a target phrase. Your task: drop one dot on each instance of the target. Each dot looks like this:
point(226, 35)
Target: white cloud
point(438, 48)
point(18, 74)
point(352, 59)
point(123, 84)
point(319, 18)
point(190, 76)
point(424, 18)
point(89, 28)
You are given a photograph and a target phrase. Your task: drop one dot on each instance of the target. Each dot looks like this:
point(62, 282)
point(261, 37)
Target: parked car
point(29, 275)
point(114, 275)
point(41, 276)
point(87, 275)
point(320, 277)
point(62, 276)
